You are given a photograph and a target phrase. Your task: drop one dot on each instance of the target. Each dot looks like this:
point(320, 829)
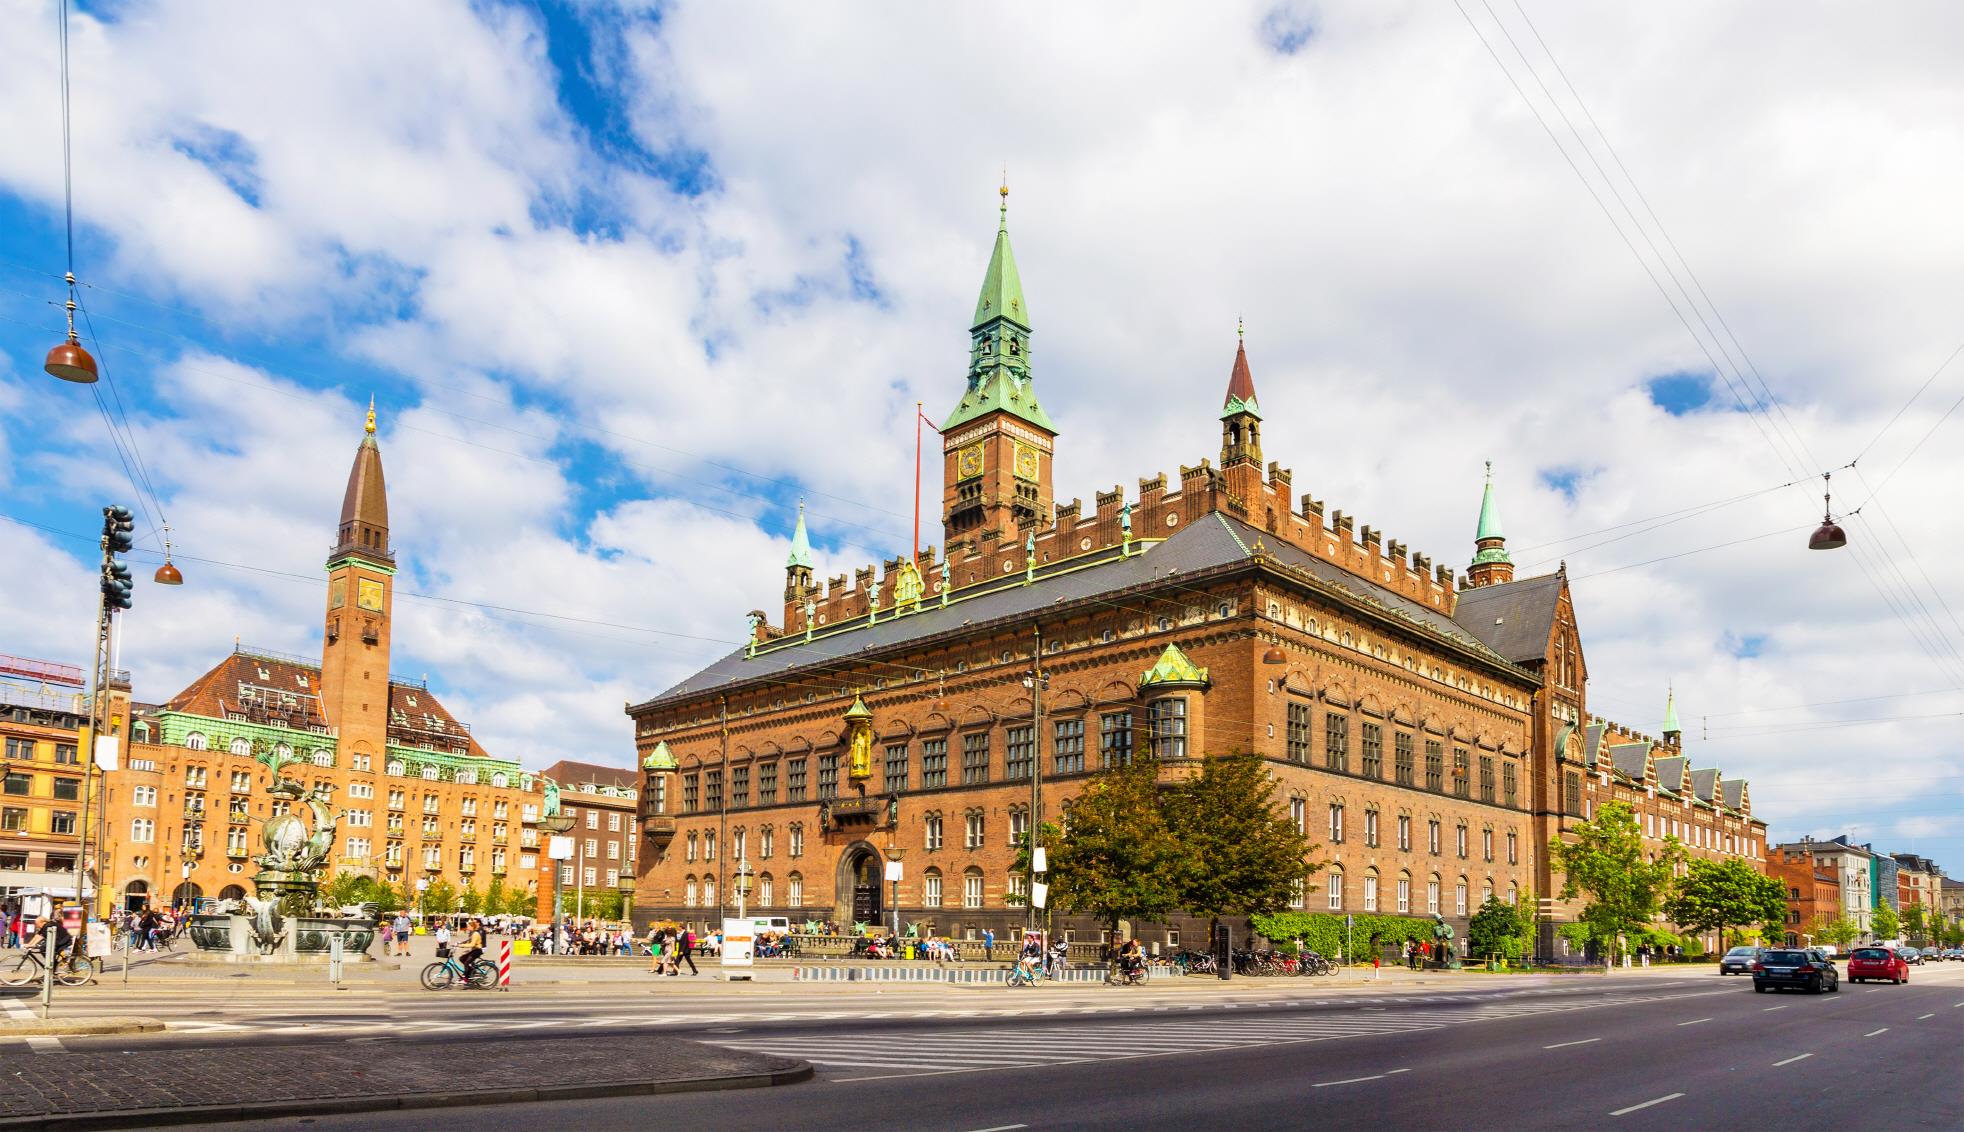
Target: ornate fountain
point(284, 922)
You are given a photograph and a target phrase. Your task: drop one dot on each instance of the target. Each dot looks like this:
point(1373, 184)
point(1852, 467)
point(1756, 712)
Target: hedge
point(1323, 933)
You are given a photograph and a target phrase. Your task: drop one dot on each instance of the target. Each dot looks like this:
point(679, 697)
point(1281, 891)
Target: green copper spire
point(999, 347)
point(801, 543)
point(661, 758)
point(1491, 543)
point(1671, 712)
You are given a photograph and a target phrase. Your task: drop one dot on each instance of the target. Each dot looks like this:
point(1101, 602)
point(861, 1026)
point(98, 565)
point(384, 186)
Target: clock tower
point(354, 684)
point(998, 443)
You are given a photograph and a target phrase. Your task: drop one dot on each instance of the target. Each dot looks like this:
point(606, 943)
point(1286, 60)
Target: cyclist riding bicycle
point(37, 943)
point(473, 946)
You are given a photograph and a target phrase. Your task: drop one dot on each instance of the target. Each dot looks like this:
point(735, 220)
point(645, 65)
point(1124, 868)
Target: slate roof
point(1512, 618)
point(1592, 743)
point(1733, 791)
point(1212, 541)
point(1630, 760)
point(1670, 772)
point(571, 772)
point(1704, 783)
point(287, 691)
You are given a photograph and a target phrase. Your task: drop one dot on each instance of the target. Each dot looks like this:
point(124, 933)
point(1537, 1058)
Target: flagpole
point(919, 416)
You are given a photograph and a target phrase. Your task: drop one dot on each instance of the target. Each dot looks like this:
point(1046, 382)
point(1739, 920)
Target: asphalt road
point(1651, 1053)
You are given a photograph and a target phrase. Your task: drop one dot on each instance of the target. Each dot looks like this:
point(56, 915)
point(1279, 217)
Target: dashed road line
point(1771, 1009)
point(1791, 1060)
point(1921, 1017)
point(1565, 1045)
point(1359, 1080)
point(1694, 1021)
point(1647, 1104)
point(1873, 1033)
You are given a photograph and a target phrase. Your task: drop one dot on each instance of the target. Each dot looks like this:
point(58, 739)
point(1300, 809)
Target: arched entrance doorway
point(136, 896)
point(859, 886)
point(232, 892)
point(186, 893)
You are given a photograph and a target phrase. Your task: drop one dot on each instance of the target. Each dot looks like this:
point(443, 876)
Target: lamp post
point(1036, 682)
point(555, 826)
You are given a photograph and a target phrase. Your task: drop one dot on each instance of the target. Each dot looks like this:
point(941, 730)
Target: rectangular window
point(691, 792)
point(1299, 814)
point(1510, 785)
point(1166, 728)
point(931, 832)
point(65, 754)
point(1019, 753)
point(61, 821)
point(1572, 794)
point(68, 789)
point(1486, 778)
point(1404, 894)
point(1459, 839)
point(766, 784)
point(931, 890)
point(766, 840)
point(1432, 837)
point(828, 776)
point(896, 768)
point(1370, 892)
point(1114, 739)
point(1486, 844)
point(1402, 758)
point(143, 831)
point(1404, 833)
point(934, 763)
point(1461, 785)
point(1297, 737)
point(1067, 746)
point(974, 831)
point(18, 784)
point(712, 796)
point(143, 795)
point(1372, 742)
point(1435, 766)
point(794, 780)
point(20, 749)
point(1019, 825)
point(13, 820)
point(739, 789)
point(796, 848)
point(1336, 741)
point(972, 890)
point(1335, 886)
point(1370, 829)
point(1336, 823)
point(975, 757)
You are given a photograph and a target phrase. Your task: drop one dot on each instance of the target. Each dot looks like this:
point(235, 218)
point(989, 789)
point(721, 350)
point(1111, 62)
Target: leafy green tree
point(495, 896)
point(1499, 929)
point(1242, 855)
point(440, 898)
point(1837, 930)
point(470, 902)
point(1717, 895)
point(1886, 923)
point(1607, 862)
point(1049, 834)
point(1117, 858)
point(341, 889)
point(1916, 923)
point(519, 902)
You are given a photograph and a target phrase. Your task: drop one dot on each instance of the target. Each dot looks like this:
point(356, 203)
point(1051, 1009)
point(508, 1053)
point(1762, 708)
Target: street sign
point(559, 848)
point(1039, 895)
point(422, 884)
point(106, 752)
point(893, 871)
point(1038, 862)
point(739, 946)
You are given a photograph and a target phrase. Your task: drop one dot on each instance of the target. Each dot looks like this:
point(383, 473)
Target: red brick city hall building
point(1429, 743)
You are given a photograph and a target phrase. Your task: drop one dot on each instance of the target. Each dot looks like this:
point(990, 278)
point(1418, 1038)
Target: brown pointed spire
point(364, 527)
point(1241, 384)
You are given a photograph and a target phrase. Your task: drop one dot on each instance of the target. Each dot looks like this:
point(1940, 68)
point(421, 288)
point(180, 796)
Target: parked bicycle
point(447, 972)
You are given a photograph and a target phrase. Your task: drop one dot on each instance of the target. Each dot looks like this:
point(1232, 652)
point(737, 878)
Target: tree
point(1837, 930)
point(1607, 861)
point(1886, 923)
point(342, 889)
point(1499, 929)
point(1916, 924)
point(470, 901)
point(519, 902)
point(1117, 859)
point(1242, 856)
point(440, 898)
point(1716, 895)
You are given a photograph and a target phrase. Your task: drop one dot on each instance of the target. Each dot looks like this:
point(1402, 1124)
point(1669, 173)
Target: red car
point(1877, 963)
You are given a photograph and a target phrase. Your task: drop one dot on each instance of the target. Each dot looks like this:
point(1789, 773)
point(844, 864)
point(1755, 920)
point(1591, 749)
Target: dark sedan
point(1740, 960)
point(1799, 968)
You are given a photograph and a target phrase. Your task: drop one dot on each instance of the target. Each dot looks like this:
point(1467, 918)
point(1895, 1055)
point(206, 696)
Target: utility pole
point(722, 804)
point(1036, 682)
point(118, 525)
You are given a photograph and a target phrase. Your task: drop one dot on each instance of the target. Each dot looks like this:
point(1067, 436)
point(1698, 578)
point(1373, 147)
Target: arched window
point(794, 891)
point(931, 888)
point(1486, 890)
point(322, 758)
point(972, 888)
point(395, 766)
point(285, 750)
point(709, 892)
point(1513, 893)
point(1459, 897)
point(1335, 888)
point(688, 892)
point(765, 891)
point(195, 741)
point(1432, 895)
point(467, 777)
point(430, 772)
point(500, 780)
point(1404, 892)
point(1371, 891)
point(241, 747)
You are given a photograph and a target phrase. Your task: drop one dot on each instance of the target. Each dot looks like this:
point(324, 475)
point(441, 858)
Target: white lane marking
point(1000, 1128)
point(1694, 1021)
point(1770, 1009)
point(1647, 1104)
point(1561, 1045)
point(1356, 1080)
point(1791, 1060)
point(1921, 1017)
point(1873, 1033)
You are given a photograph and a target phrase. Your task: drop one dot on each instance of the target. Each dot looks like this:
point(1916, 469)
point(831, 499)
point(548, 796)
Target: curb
point(78, 1027)
point(403, 1102)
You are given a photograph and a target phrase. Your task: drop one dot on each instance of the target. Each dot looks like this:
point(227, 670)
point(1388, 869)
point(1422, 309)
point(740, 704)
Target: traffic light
point(118, 527)
point(116, 585)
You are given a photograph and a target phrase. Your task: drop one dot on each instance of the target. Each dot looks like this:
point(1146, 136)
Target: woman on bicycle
point(473, 942)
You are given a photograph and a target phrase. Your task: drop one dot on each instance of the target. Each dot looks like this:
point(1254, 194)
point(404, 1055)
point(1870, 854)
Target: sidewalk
point(196, 1086)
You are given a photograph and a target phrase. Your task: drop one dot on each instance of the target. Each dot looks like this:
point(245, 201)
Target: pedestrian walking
point(403, 930)
point(686, 946)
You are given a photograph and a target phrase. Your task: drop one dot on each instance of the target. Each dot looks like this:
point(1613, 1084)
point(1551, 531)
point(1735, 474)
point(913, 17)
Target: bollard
point(126, 957)
point(334, 960)
point(504, 965)
point(48, 967)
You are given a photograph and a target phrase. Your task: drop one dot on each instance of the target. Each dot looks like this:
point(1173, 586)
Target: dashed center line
point(1791, 1060)
point(1771, 1009)
point(1356, 1080)
point(1921, 1017)
point(1694, 1021)
point(1561, 1045)
point(1647, 1104)
point(1873, 1033)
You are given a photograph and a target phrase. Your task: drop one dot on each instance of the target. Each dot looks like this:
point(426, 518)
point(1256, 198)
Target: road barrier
point(504, 965)
point(851, 974)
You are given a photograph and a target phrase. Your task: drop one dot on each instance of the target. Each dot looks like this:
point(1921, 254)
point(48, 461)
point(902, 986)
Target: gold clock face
point(337, 593)
point(368, 594)
point(968, 463)
point(1026, 462)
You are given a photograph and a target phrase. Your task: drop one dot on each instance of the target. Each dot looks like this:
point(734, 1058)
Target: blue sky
point(626, 282)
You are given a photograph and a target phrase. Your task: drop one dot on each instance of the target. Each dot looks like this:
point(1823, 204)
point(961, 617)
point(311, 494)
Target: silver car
point(1740, 960)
